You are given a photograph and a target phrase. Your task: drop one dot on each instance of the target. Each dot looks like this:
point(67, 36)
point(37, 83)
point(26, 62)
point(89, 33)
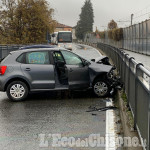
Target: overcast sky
point(67, 11)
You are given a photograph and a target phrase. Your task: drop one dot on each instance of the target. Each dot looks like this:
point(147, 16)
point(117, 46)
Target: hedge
point(116, 34)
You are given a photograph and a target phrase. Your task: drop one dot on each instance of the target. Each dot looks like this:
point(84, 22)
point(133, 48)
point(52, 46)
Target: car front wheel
point(17, 91)
point(101, 88)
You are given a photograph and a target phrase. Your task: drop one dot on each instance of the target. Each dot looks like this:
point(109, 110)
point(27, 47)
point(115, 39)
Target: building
point(62, 27)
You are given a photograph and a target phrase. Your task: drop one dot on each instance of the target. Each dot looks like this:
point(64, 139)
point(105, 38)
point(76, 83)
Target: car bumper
point(1, 87)
point(2, 83)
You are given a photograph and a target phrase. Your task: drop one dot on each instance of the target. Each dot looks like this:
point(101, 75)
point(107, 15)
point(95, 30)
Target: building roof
point(59, 25)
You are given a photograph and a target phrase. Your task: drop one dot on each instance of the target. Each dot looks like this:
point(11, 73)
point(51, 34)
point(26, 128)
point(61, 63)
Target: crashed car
point(44, 69)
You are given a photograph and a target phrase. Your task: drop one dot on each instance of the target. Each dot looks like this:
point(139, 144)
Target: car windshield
point(65, 37)
point(84, 59)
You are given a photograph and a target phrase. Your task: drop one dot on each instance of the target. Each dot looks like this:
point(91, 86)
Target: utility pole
point(132, 19)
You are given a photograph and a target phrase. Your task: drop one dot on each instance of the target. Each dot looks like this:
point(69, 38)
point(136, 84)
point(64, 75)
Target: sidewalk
point(144, 59)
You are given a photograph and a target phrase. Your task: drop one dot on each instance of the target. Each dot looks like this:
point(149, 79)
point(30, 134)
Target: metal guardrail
point(6, 49)
point(136, 38)
point(137, 88)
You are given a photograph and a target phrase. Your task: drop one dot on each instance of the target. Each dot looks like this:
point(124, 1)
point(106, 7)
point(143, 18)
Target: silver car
point(44, 69)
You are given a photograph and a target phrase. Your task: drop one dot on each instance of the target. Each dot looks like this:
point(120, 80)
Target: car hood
point(100, 58)
point(100, 67)
point(65, 45)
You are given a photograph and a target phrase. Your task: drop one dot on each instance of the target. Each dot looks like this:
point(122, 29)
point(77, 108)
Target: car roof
point(20, 51)
point(36, 46)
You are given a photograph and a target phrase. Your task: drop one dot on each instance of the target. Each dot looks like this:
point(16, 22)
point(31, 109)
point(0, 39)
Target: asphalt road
point(50, 113)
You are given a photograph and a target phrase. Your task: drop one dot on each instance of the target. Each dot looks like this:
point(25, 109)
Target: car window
point(72, 59)
point(58, 57)
point(21, 59)
point(37, 58)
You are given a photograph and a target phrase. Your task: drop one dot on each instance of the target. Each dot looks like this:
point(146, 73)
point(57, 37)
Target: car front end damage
point(114, 81)
point(102, 65)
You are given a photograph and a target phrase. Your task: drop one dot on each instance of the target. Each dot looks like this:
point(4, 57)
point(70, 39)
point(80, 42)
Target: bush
point(102, 34)
point(110, 34)
point(116, 34)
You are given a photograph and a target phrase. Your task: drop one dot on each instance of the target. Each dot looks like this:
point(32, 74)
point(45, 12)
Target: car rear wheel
point(17, 91)
point(101, 88)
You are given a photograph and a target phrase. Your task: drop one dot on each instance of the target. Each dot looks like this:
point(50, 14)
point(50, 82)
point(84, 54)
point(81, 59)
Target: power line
point(142, 9)
point(141, 15)
point(137, 12)
point(124, 21)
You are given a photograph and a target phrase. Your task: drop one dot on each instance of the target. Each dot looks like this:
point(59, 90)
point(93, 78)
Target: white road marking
point(110, 128)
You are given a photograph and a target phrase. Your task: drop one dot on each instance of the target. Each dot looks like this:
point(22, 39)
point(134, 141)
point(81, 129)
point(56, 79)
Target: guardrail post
point(130, 59)
point(137, 76)
point(123, 66)
point(146, 37)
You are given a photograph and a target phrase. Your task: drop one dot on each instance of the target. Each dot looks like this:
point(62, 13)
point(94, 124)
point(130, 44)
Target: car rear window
point(37, 58)
point(34, 58)
point(21, 58)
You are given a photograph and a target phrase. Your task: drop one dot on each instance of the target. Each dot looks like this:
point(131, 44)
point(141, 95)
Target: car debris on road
point(101, 109)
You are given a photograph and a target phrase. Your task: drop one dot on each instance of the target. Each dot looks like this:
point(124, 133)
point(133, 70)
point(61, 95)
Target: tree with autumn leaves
point(25, 21)
point(112, 25)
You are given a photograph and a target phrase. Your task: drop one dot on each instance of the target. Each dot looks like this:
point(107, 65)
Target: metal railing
point(136, 38)
point(6, 49)
point(137, 88)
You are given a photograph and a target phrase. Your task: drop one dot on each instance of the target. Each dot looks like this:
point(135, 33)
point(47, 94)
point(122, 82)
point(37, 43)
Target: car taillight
point(2, 70)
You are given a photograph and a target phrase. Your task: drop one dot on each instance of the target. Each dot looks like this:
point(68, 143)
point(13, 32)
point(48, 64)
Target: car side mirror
point(86, 63)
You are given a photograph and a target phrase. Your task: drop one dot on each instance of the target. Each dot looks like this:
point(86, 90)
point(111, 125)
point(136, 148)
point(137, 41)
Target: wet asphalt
point(50, 113)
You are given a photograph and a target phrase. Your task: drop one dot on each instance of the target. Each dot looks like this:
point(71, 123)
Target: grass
point(124, 96)
point(129, 113)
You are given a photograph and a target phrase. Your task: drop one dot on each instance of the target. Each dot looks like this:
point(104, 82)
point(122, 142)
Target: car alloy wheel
point(101, 88)
point(17, 91)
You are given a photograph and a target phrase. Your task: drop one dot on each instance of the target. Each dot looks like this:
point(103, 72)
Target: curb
point(124, 121)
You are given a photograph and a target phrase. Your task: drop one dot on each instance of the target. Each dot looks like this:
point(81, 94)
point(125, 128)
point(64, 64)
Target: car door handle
point(27, 69)
point(71, 70)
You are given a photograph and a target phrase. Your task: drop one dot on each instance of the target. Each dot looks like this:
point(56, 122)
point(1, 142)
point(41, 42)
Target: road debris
point(101, 109)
